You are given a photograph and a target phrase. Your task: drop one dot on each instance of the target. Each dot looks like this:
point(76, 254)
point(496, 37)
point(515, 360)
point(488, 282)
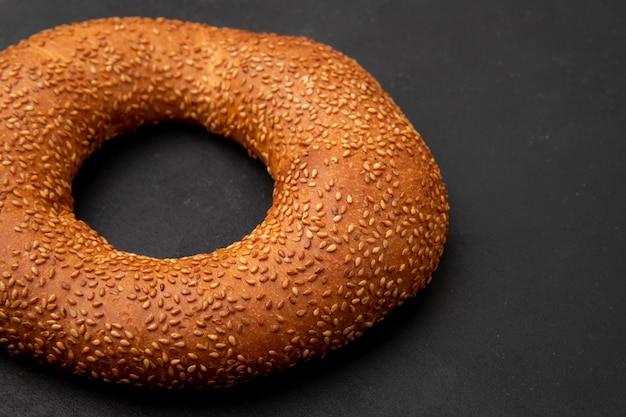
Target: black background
point(523, 104)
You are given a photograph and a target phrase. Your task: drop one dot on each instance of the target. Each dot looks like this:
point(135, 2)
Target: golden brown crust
point(358, 221)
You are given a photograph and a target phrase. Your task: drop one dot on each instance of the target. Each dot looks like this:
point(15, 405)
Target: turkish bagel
point(357, 225)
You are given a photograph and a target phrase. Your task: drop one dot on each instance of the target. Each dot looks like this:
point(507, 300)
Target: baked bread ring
point(357, 225)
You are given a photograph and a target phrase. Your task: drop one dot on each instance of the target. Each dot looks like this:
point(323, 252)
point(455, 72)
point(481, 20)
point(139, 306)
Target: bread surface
point(357, 225)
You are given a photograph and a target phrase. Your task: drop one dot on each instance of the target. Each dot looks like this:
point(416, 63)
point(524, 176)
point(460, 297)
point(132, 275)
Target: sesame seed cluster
point(357, 225)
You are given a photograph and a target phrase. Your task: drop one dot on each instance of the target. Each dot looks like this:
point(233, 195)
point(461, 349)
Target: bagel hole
point(171, 190)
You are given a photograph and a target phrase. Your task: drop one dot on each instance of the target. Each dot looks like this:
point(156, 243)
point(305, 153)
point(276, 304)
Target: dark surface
point(523, 104)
